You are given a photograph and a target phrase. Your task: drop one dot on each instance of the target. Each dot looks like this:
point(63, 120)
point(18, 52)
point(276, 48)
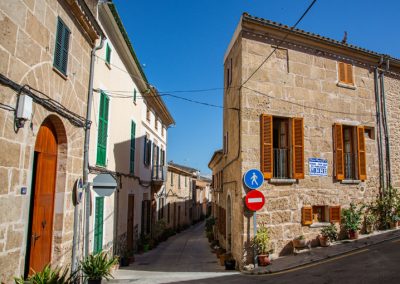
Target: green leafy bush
point(261, 240)
point(98, 266)
point(210, 222)
point(49, 275)
point(351, 218)
point(330, 232)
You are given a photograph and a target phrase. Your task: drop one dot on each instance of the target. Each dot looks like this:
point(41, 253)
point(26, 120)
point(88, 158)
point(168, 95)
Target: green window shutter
point(132, 152)
point(61, 47)
point(134, 95)
point(98, 225)
point(108, 54)
point(102, 131)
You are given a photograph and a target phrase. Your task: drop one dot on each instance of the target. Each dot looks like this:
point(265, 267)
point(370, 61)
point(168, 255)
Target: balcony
point(158, 174)
point(349, 166)
point(281, 169)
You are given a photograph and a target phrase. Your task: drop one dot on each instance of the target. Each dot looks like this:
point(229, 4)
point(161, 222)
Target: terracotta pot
point(222, 259)
point(263, 260)
point(353, 235)
point(299, 243)
point(324, 241)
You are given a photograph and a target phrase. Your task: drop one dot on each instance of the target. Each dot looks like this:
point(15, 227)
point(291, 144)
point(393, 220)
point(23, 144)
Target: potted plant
point(328, 235)
point(230, 262)
point(49, 275)
point(261, 243)
point(95, 267)
point(299, 242)
point(351, 218)
point(370, 222)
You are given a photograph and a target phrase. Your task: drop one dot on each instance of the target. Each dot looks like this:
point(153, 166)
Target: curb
point(329, 256)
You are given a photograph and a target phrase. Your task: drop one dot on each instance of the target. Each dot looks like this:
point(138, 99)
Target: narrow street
point(183, 257)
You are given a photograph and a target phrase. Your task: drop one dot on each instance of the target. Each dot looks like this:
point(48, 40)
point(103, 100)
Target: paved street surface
point(183, 257)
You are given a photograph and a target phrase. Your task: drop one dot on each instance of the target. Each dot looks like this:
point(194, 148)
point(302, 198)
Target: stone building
point(45, 49)
point(307, 118)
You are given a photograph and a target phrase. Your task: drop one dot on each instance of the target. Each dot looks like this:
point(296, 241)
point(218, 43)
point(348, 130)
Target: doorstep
point(317, 254)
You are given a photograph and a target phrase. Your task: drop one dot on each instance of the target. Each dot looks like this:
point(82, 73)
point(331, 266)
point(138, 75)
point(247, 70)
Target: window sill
point(350, 181)
point(282, 180)
point(319, 224)
point(65, 77)
point(347, 86)
point(108, 65)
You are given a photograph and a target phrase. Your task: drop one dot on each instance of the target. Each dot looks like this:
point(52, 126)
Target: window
point(179, 181)
point(146, 217)
point(156, 122)
point(148, 114)
point(62, 47)
point(162, 131)
point(162, 158)
point(229, 73)
point(98, 225)
point(147, 151)
point(132, 148)
point(134, 95)
point(345, 73)
point(172, 178)
point(185, 181)
point(282, 147)
point(108, 54)
point(102, 131)
point(320, 214)
point(225, 144)
point(349, 152)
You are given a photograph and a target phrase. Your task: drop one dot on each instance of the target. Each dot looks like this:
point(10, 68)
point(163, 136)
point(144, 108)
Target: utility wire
point(280, 43)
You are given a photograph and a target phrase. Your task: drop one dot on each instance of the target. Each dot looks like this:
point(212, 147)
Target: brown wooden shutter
point(349, 74)
point(338, 151)
point(266, 146)
point(334, 214)
point(362, 163)
point(307, 215)
point(298, 148)
point(342, 72)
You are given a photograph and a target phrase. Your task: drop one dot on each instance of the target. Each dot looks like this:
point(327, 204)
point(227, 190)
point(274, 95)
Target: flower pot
point(263, 260)
point(299, 243)
point(324, 241)
point(146, 247)
point(222, 259)
point(353, 235)
point(94, 281)
point(394, 225)
point(124, 261)
point(230, 264)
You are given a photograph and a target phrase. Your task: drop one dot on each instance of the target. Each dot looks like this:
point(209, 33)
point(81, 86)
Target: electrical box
point(24, 110)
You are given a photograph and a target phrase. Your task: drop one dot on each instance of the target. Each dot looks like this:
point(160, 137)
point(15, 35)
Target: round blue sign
point(253, 179)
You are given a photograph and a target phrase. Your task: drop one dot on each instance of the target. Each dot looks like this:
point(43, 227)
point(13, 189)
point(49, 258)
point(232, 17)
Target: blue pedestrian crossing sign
point(253, 179)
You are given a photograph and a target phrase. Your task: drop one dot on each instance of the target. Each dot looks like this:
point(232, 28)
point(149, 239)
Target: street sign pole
point(254, 234)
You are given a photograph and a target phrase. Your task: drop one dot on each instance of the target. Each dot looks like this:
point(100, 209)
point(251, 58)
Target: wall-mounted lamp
point(24, 110)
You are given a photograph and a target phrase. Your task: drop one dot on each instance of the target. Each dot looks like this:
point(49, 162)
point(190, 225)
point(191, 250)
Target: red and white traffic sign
point(255, 200)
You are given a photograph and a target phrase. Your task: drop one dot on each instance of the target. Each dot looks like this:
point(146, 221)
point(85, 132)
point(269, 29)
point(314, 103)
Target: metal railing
point(159, 173)
point(349, 165)
point(281, 160)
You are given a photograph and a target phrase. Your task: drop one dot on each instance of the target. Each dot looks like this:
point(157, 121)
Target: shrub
point(330, 232)
point(351, 218)
point(98, 266)
point(261, 240)
point(49, 275)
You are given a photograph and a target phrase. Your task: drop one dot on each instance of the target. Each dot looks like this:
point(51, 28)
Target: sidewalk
point(318, 254)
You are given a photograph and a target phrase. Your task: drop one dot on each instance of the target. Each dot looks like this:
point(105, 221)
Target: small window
point(156, 123)
point(147, 151)
point(225, 144)
point(108, 54)
point(134, 95)
point(148, 114)
point(132, 148)
point(320, 214)
point(179, 181)
point(62, 47)
point(162, 131)
point(172, 178)
point(345, 73)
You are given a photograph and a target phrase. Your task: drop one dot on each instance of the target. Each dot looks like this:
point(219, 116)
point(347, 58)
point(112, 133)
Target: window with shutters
point(349, 152)
point(320, 215)
point(345, 73)
point(162, 130)
point(147, 151)
point(134, 95)
point(147, 113)
point(102, 130)
point(156, 122)
point(61, 47)
point(108, 54)
point(282, 147)
point(179, 181)
point(132, 148)
point(98, 225)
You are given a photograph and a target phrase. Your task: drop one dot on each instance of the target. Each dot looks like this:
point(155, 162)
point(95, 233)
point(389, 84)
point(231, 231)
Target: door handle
point(35, 237)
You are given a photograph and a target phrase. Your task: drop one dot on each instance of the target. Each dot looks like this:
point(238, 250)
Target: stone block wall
point(27, 40)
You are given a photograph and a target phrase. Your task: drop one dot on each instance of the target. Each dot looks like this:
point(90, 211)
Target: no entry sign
point(255, 200)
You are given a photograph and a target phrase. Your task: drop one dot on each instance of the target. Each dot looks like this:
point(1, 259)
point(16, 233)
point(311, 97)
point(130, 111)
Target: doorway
point(130, 229)
point(228, 223)
point(40, 230)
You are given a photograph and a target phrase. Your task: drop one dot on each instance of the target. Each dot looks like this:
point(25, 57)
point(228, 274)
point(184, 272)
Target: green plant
point(330, 232)
point(261, 240)
point(386, 208)
point(351, 218)
point(301, 237)
point(49, 275)
point(159, 228)
point(98, 266)
point(210, 222)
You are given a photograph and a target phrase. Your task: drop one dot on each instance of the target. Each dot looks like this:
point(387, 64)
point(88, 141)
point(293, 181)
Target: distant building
point(307, 118)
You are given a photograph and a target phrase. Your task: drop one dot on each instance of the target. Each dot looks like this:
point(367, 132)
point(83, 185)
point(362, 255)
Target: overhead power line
point(280, 43)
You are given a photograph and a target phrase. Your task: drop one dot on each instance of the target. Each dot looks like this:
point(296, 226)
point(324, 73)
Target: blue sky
point(182, 44)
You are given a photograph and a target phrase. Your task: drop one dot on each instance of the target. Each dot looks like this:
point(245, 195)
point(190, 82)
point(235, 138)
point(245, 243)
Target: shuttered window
point(61, 47)
point(298, 148)
point(98, 225)
point(345, 75)
point(306, 215)
point(102, 131)
point(134, 95)
point(132, 148)
point(266, 146)
point(108, 53)
point(334, 214)
point(338, 151)
point(362, 163)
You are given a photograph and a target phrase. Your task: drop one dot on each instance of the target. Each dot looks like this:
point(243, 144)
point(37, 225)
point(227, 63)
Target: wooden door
point(43, 200)
point(130, 228)
point(98, 225)
point(174, 222)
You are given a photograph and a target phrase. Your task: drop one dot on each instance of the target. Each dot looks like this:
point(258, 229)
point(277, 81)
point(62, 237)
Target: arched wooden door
point(41, 230)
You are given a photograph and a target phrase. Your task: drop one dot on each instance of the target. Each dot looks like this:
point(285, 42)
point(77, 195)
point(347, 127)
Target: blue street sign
point(253, 179)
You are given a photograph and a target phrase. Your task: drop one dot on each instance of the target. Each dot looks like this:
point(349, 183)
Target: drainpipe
point(379, 132)
point(86, 147)
point(385, 127)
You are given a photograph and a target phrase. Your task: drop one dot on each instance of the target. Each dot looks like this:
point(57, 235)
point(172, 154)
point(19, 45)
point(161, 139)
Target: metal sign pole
point(254, 234)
